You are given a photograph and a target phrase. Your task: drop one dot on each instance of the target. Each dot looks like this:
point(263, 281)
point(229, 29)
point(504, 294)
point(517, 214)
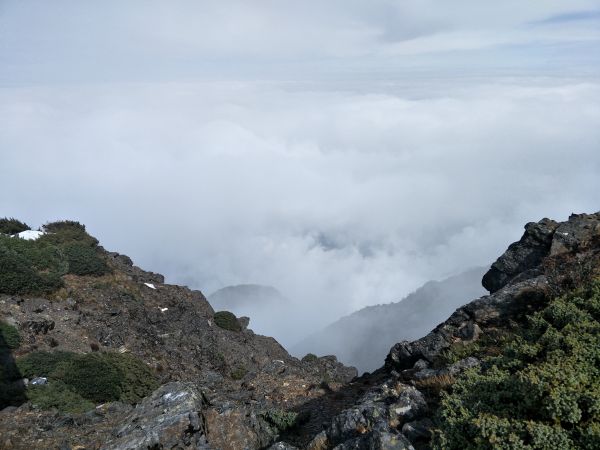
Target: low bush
point(239, 373)
point(10, 337)
point(309, 357)
point(18, 275)
point(12, 226)
point(136, 380)
point(67, 232)
point(227, 321)
point(84, 260)
point(95, 377)
point(57, 395)
point(280, 419)
point(37, 266)
point(542, 392)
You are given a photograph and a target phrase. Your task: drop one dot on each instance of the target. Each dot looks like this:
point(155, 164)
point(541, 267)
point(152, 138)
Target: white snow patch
point(150, 285)
point(163, 309)
point(29, 235)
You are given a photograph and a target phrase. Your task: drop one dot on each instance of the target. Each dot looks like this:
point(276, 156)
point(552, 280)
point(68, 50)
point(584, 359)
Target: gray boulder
point(170, 418)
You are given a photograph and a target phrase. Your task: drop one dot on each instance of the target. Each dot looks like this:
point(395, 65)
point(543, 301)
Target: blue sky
point(343, 151)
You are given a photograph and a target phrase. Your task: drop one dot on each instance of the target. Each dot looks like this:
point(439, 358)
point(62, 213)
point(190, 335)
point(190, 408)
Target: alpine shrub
point(310, 357)
point(227, 321)
point(95, 377)
point(280, 419)
point(12, 226)
point(9, 336)
point(84, 260)
point(542, 392)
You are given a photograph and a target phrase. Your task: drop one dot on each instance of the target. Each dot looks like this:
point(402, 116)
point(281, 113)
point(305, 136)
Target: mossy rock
point(227, 321)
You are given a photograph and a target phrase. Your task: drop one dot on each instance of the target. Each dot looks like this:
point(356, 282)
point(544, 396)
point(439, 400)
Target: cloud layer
point(346, 153)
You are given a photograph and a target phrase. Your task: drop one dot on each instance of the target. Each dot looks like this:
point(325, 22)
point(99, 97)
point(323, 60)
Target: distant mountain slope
point(364, 338)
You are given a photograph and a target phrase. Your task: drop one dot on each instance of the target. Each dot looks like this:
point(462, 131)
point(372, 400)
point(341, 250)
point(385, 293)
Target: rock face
point(172, 417)
point(521, 256)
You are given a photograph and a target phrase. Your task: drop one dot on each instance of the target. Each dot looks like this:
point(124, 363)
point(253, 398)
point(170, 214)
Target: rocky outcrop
point(172, 417)
point(521, 281)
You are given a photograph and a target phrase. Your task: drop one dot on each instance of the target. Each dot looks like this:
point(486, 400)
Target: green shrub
point(18, 275)
point(12, 226)
point(63, 225)
point(137, 380)
point(57, 395)
point(92, 377)
point(67, 232)
point(239, 373)
point(36, 266)
point(227, 320)
point(84, 260)
point(97, 377)
point(542, 392)
point(43, 364)
point(280, 419)
point(9, 336)
point(309, 357)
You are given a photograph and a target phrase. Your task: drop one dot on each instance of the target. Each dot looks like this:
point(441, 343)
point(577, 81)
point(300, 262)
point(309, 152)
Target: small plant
point(280, 419)
point(9, 336)
point(227, 321)
point(435, 384)
point(309, 357)
point(239, 373)
point(12, 226)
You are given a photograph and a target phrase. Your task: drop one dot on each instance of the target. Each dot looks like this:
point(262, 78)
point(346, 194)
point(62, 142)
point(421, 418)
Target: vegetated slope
point(519, 368)
point(89, 327)
point(364, 338)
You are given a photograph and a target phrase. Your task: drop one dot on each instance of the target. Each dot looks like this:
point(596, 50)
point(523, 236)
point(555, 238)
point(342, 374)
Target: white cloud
point(357, 150)
point(339, 199)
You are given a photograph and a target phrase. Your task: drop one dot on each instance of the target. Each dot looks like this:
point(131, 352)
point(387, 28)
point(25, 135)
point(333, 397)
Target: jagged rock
point(170, 418)
point(319, 442)
point(41, 326)
point(282, 446)
point(418, 430)
point(578, 232)
point(520, 256)
point(409, 405)
point(232, 426)
point(244, 322)
point(377, 441)
point(347, 425)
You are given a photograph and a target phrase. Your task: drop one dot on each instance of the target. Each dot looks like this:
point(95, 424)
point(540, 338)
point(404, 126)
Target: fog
point(342, 152)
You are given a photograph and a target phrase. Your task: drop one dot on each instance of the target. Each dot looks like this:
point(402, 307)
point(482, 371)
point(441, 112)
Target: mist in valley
point(344, 153)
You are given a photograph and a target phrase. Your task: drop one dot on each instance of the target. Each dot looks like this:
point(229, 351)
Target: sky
point(344, 152)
